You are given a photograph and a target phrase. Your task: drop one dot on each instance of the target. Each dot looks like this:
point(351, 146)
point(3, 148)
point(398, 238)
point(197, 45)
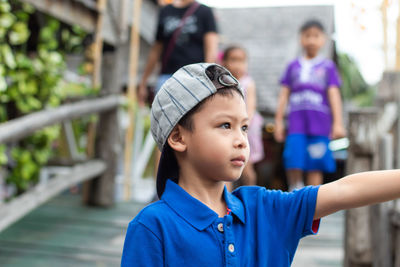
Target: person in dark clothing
point(186, 34)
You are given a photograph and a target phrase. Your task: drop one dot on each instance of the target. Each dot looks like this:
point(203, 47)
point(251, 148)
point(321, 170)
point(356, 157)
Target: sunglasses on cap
point(227, 80)
point(221, 78)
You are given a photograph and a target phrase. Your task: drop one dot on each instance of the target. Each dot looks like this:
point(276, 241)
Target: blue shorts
point(308, 153)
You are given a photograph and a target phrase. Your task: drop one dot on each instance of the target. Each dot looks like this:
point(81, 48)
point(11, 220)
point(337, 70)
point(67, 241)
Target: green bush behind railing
point(32, 63)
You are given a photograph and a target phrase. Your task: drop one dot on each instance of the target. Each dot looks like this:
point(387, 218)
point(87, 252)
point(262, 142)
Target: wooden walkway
point(326, 248)
point(65, 233)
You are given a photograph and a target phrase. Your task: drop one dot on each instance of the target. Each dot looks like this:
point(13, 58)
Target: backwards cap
point(187, 87)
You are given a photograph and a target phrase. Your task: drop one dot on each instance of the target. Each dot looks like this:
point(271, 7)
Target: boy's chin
point(232, 180)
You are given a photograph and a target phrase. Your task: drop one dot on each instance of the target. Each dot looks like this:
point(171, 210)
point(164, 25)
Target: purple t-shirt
point(308, 81)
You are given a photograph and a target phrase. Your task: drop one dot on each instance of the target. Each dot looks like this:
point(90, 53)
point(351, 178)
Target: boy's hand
point(338, 131)
point(279, 132)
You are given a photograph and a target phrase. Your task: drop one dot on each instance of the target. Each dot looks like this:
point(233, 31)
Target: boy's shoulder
point(152, 214)
point(256, 193)
point(253, 194)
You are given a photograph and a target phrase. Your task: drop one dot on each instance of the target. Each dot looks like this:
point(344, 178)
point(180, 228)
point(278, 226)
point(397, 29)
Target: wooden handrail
point(12, 211)
point(18, 128)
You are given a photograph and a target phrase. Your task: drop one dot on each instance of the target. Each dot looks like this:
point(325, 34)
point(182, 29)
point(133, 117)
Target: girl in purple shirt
point(310, 90)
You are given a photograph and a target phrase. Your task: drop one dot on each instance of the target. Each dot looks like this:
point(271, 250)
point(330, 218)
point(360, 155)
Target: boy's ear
point(176, 140)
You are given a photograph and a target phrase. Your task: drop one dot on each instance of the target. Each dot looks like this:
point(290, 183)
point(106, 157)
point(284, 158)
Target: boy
point(199, 121)
point(311, 86)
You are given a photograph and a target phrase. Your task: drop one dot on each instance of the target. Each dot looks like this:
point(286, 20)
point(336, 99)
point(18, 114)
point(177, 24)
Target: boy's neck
point(210, 194)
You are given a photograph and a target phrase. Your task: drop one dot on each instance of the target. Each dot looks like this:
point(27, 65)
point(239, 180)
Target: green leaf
point(33, 102)
point(5, 7)
point(3, 155)
point(3, 84)
point(8, 56)
point(3, 32)
point(6, 20)
point(28, 8)
point(19, 33)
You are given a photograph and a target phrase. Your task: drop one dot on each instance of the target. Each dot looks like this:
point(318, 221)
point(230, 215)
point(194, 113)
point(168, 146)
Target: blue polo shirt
point(263, 228)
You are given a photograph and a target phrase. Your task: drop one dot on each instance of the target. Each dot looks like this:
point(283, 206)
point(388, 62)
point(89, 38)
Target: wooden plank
point(84, 14)
point(133, 65)
point(26, 125)
point(363, 134)
point(76, 13)
point(20, 206)
point(100, 191)
point(98, 43)
point(63, 232)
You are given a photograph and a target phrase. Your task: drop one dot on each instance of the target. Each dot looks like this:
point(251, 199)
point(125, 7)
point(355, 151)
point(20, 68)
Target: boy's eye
point(225, 125)
point(245, 128)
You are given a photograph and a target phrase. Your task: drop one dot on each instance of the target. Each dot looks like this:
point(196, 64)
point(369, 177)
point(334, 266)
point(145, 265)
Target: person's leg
point(319, 159)
point(314, 178)
point(249, 176)
point(294, 156)
point(295, 179)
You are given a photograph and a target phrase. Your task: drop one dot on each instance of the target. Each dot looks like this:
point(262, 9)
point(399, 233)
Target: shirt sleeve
point(294, 213)
point(285, 78)
point(142, 248)
point(209, 20)
point(333, 76)
point(160, 27)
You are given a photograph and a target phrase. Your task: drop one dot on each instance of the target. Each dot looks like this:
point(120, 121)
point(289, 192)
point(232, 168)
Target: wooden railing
point(18, 128)
point(372, 236)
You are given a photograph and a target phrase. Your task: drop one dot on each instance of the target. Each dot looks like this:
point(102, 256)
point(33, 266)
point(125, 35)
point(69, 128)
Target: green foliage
point(31, 81)
point(354, 87)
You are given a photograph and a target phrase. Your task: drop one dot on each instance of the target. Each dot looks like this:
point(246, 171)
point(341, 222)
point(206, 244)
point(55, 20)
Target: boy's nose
point(241, 140)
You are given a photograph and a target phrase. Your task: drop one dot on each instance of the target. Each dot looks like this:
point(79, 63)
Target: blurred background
point(77, 161)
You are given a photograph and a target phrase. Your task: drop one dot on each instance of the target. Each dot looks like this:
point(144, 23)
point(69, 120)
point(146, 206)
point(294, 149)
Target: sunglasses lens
point(227, 80)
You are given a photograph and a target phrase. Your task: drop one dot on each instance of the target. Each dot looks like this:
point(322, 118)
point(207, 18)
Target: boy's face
point(236, 62)
point(312, 40)
point(217, 148)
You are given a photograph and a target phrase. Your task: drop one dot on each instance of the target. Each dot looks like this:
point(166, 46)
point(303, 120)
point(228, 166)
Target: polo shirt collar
point(235, 205)
point(194, 211)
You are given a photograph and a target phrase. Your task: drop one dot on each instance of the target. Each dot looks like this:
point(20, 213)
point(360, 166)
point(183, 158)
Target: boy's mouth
point(239, 161)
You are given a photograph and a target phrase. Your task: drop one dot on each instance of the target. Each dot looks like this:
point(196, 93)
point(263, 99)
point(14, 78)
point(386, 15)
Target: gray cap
point(178, 95)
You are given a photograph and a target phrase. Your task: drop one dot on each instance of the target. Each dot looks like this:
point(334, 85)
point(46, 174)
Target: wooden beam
point(133, 65)
point(17, 208)
point(98, 43)
point(75, 12)
point(84, 14)
point(25, 126)
point(384, 9)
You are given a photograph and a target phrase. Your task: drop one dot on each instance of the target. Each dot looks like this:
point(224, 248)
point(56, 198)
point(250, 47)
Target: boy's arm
point(142, 248)
point(357, 190)
point(335, 102)
point(279, 132)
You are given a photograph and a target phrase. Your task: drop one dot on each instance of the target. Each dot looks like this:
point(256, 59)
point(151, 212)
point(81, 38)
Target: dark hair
point(313, 23)
point(229, 49)
point(213, 72)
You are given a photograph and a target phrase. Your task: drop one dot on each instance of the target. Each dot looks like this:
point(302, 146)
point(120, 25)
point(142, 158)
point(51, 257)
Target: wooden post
point(381, 229)
point(384, 8)
point(133, 64)
point(108, 146)
point(362, 151)
point(98, 43)
point(397, 67)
